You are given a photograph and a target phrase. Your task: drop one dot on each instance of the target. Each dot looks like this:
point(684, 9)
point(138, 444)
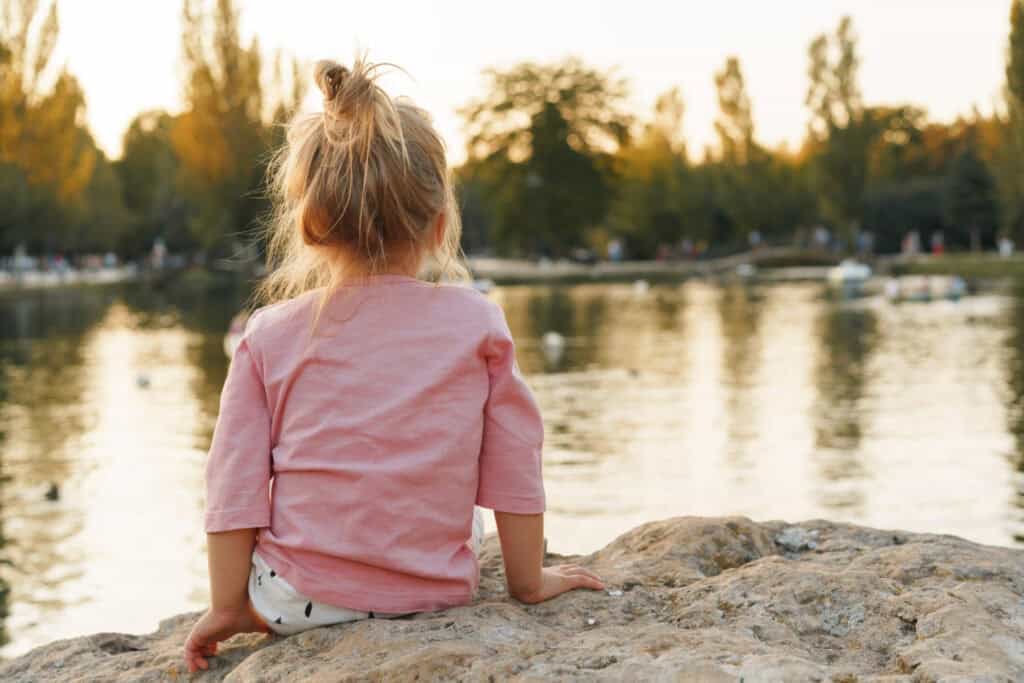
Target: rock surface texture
point(690, 599)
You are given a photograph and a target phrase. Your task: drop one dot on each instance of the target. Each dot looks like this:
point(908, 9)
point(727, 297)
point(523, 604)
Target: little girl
point(366, 412)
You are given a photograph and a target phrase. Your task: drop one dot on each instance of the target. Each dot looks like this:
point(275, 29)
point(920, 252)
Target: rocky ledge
point(690, 599)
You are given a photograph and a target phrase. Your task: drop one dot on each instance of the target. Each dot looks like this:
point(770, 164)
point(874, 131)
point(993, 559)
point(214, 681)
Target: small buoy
point(53, 493)
point(553, 340)
point(142, 381)
point(553, 346)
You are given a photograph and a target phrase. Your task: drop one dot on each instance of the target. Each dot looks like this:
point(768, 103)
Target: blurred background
point(758, 259)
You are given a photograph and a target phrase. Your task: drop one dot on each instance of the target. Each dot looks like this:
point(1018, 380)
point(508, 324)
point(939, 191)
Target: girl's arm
point(522, 547)
point(229, 556)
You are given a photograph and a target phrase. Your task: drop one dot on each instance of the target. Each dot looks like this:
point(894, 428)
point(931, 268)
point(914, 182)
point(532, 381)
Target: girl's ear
point(439, 228)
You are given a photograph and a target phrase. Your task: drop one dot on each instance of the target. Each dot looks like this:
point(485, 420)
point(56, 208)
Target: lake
point(772, 402)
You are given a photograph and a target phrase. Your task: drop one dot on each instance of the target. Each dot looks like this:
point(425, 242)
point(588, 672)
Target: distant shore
point(69, 277)
point(768, 265)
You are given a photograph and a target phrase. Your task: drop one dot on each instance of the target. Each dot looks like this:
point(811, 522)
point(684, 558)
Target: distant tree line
point(193, 179)
point(554, 159)
point(555, 163)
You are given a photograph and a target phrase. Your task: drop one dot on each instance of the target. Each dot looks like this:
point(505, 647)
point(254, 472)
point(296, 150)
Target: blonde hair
point(357, 190)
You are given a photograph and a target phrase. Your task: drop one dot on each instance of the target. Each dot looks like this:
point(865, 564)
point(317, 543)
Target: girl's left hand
point(215, 626)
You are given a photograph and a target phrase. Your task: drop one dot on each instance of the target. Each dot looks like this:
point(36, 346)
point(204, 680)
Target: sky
point(945, 55)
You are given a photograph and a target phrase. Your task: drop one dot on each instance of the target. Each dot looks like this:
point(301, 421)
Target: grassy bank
point(970, 266)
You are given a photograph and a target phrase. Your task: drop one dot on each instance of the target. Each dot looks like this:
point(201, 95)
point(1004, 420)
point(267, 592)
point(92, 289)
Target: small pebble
point(615, 593)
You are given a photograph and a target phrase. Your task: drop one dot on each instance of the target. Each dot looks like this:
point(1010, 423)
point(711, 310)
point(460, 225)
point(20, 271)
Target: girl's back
point(385, 427)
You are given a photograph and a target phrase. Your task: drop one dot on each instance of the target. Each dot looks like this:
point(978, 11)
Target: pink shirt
point(359, 450)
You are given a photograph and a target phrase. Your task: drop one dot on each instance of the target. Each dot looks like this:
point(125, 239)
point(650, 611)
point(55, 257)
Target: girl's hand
point(215, 626)
point(560, 579)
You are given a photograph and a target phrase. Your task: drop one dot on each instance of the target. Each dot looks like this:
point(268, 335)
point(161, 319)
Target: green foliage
point(971, 202)
point(891, 210)
point(651, 200)
point(223, 138)
point(841, 133)
point(149, 170)
point(540, 149)
point(220, 137)
point(735, 123)
point(1009, 155)
point(56, 188)
point(930, 178)
point(1015, 63)
point(554, 162)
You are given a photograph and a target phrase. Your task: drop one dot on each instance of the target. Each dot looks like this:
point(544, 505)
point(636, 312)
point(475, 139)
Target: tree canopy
point(556, 158)
point(541, 145)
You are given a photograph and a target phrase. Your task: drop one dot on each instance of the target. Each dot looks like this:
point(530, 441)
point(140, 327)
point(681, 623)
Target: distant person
point(158, 254)
point(822, 237)
point(911, 244)
point(754, 239)
point(382, 408)
point(615, 251)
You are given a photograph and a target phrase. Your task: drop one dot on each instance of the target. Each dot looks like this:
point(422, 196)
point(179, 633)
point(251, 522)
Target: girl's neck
point(408, 269)
point(404, 271)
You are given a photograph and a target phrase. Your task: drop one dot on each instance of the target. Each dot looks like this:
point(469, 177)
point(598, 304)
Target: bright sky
point(945, 55)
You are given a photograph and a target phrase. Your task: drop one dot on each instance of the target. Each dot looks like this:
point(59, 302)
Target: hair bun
point(330, 77)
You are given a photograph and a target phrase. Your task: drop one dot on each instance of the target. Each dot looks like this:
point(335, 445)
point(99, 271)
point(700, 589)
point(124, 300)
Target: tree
point(1009, 157)
point(52, 170)
point(735, 122)
point(756, 189)
point(898, 150)
point(223, 137)
point(542, 140)
point(741, 160)
point(220, 137)
point(891, 210)
point(149, 170)
point(841, 132)
point(1015, 62)
point(972, 202)
point(651, 196)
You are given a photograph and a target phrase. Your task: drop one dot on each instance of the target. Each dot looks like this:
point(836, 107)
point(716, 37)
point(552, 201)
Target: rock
point(702, 600)
point(794, 539)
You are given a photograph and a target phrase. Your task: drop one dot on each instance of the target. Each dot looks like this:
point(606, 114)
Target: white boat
point(746, 271)
point(552, 344)
point(848, 278)
point(920, 288)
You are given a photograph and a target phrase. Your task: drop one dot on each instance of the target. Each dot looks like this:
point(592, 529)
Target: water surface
point(770, 402)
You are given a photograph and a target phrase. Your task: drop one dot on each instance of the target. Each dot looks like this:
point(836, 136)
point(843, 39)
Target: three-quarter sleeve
point(238, 468)
point(510, 456)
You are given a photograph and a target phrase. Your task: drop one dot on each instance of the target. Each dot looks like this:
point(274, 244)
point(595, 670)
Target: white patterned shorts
point(287, 611)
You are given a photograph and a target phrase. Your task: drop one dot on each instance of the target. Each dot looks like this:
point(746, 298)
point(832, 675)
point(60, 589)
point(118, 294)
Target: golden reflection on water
point(769, 402)
point(111, 418)
point(773, 402)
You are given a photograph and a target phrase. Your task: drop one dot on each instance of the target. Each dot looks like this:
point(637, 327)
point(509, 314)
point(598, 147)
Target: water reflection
point(110, 397)
point(847, 334)
point(1015, 403)
point(42, 366)
point(691, 399)
point(739, 311)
